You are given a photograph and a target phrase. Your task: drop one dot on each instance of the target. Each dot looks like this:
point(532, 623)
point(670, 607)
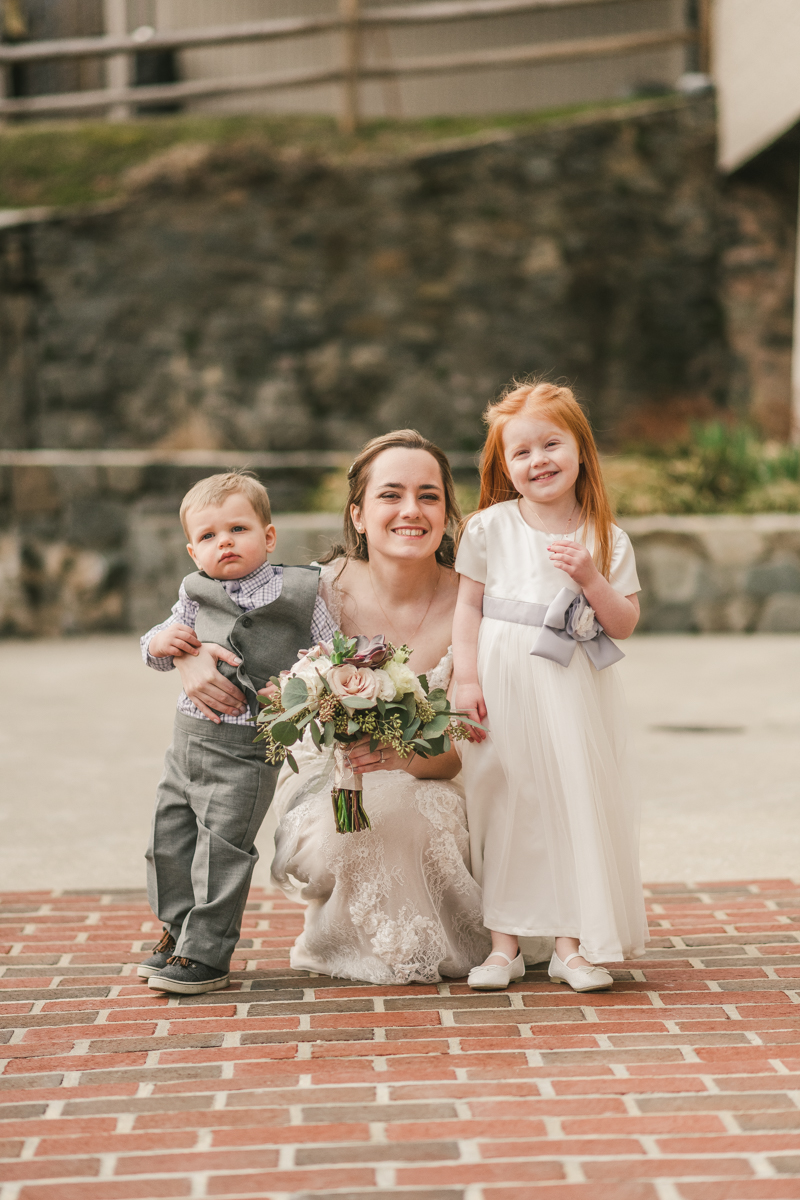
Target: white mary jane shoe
point(489, 976)
point(580, 979)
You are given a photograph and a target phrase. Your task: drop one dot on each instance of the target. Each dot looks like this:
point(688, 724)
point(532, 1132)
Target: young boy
point(216, 787)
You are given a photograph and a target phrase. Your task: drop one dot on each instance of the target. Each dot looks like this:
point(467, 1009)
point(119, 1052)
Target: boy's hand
point(206, 687)
point(174, 641)
point(469, 699)
point(575, 560)
point(269, 690)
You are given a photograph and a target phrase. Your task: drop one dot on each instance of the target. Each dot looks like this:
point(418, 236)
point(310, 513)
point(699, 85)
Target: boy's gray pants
point(213, 796)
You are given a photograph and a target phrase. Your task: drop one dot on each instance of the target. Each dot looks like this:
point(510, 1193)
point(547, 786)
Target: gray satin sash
point(561, 627)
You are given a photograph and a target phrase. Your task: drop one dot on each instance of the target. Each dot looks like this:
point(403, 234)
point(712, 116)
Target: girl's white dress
point(553, 822)
point(392, 905)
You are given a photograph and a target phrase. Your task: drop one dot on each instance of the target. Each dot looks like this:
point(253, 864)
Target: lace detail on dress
point(332, 594)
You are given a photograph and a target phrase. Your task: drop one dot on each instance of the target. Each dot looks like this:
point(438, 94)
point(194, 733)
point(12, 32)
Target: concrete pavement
point(715, 725)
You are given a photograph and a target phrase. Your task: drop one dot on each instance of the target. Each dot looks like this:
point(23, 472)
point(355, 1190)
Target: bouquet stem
point(347, 796)
point(348, 811)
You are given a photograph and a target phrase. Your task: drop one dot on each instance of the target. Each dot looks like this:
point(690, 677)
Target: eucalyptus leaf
point(424, 681)
point(356, 702)
point(290, 760)
point(330, 730)
point(287, 716)
point(316, 734)
point(353, 726)
point(411, 730)
point(294, 692)
point(437, 725)
point(469, 721)
point(285, 733)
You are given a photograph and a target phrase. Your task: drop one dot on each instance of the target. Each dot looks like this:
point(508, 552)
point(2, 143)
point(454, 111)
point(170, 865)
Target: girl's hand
point(174, 641)
point(362, 760)
point(206, 687)
point(469, 699)
point(576, 561)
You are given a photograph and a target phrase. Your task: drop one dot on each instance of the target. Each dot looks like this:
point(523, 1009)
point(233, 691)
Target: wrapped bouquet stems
point(347, 795)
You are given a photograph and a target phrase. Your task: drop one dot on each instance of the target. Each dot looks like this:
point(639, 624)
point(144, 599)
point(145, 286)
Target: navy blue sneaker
point(189, 978)
point(159, 958)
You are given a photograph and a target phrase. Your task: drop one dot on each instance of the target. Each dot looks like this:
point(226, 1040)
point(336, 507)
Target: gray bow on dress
point(565, 624)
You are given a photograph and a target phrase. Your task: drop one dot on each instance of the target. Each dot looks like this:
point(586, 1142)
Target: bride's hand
point(206, 687)
point(363, 760)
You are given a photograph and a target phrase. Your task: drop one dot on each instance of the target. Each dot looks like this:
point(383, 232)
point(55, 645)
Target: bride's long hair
point(354, 544)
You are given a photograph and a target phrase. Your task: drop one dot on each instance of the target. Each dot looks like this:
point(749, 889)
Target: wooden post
point(117, 67)
point(795, 426)
point(350, 11)
point(704, 28)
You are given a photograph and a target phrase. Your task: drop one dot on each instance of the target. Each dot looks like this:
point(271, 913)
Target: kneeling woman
point(397, 903)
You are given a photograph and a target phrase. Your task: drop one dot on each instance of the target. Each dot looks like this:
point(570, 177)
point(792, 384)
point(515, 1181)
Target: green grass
point(83, 163)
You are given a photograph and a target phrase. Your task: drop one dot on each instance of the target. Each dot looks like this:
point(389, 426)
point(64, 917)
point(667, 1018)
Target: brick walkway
point(683, 1084)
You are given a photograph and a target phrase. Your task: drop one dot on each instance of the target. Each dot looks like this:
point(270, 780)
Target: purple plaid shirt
point(259, 588)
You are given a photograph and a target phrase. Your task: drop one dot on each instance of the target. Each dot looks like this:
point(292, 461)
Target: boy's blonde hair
point(217, 488)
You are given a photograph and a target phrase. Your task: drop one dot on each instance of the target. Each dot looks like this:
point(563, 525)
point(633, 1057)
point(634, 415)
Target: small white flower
point(386, 688)
point(404, 679)
point(583, 626)
point(309, 670)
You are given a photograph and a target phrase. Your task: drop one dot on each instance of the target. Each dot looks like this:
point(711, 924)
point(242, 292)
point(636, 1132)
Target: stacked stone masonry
point(109, 559)
point(251, 298)
point(682, 1083)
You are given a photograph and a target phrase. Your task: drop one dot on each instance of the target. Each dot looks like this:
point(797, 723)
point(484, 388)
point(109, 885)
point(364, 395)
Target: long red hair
point(548, 400)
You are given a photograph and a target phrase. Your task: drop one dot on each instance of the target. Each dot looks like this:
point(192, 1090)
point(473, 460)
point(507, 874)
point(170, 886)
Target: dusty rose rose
point(348, 681)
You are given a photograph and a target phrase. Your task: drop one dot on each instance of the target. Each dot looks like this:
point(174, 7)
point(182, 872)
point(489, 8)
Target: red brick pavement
point(682, 1084)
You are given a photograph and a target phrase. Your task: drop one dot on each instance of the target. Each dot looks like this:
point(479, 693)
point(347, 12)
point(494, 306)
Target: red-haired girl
point(547, 579)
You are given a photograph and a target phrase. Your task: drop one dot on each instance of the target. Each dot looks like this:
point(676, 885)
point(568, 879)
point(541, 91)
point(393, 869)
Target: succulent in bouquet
point(355, 688)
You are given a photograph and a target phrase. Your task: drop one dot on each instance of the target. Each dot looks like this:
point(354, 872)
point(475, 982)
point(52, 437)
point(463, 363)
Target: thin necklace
point(544, 527)
point(424, 615)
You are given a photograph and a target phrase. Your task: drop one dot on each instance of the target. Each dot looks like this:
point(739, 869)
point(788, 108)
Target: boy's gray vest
point(266, 639)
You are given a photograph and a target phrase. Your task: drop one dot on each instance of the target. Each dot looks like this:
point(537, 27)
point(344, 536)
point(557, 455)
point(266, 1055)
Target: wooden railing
point(351, 22)
point(264, 460)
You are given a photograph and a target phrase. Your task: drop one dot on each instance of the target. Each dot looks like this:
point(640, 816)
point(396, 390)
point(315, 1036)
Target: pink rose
point(353, 682)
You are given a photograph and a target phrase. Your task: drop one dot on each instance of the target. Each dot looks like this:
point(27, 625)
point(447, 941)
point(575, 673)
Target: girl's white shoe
point(580, 979)
point(489, 976)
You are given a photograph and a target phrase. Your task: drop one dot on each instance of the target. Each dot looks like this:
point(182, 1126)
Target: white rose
point(404, 679)
point(309, 670)
point(584, 625)
point(357, 682)
point(386, 688)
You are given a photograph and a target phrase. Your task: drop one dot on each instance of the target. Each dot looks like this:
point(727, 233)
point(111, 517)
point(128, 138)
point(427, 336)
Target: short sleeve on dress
point(471, 557)
point(623, 577)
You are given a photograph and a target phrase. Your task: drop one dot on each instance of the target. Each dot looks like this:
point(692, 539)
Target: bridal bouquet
point(352, 689)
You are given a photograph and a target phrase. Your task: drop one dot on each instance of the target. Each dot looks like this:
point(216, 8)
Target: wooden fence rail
point(350, 23)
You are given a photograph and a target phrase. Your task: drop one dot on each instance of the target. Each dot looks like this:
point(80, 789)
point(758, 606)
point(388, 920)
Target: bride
point(398, 903)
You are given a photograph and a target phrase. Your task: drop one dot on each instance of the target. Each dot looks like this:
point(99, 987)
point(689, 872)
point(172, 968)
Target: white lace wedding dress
point(397, 903)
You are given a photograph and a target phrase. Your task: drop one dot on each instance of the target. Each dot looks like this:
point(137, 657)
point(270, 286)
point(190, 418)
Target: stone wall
point(97, 548)
point(244, 298)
